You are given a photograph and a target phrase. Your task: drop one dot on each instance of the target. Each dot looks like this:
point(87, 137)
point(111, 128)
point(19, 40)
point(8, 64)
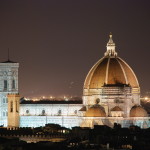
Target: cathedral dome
point(138, 111)
point(110, 70)
point(95, 111)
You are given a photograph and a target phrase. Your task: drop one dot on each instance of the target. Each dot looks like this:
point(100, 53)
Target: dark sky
point(56, 42)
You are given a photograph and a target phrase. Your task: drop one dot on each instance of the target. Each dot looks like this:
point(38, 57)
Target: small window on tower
point(16, 107)
point(13, 84)
point(5, 84)
point(11, 106)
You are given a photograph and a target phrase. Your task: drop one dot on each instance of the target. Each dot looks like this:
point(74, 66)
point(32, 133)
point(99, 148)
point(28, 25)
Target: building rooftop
point(47, 101)
point(8, 61)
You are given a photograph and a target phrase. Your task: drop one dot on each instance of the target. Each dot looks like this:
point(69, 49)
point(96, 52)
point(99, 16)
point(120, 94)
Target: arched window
point(75, 112)
point(43, 112)
point(13, 84)
point(59, 112)
point(27, 111)
point(97, 100)
point(116, 100)
point(5, 85)
point(16, 106)
point(11, 106)
point(3, 100)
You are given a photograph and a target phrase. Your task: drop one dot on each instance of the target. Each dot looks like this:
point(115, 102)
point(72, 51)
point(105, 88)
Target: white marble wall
point(37, 121)
point(50, 109)
point(34, 118)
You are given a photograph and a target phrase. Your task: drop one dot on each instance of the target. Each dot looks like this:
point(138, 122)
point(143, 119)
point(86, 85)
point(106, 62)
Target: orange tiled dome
point(110, 70)
point(138, 111)
point(95, 111)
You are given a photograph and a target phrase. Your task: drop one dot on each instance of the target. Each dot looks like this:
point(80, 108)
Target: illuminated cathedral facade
point(111, 94)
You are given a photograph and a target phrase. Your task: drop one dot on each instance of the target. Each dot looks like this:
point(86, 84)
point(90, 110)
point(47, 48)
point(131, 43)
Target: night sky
point(56, 42)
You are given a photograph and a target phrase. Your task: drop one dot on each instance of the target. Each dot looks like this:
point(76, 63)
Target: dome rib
point(123, 72)
point(107, 69)
point(115, 73)
point(130, 69)
point(90, 73)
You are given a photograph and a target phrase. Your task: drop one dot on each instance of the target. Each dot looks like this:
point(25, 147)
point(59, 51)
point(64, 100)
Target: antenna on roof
point(8, 54)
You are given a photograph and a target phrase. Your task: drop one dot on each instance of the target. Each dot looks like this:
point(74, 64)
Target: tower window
point(11, 106)
point(16, 107)
point(5, 84)
point(13, 84)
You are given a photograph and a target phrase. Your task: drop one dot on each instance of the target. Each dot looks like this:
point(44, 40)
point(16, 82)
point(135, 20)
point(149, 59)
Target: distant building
point(111, 94)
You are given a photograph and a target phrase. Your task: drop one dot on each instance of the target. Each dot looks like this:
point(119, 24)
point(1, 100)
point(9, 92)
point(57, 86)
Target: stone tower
point(13, 110)
point(8, 84)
